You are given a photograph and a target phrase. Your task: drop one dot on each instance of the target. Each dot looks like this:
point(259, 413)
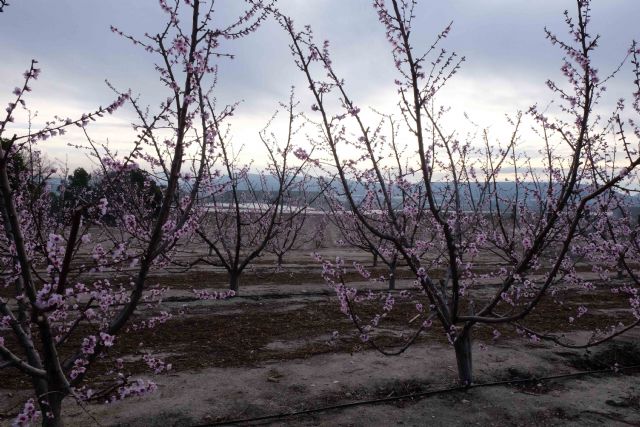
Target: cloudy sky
point(508, 58)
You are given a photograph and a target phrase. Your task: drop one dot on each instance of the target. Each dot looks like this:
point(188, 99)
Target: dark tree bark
point(462, 347)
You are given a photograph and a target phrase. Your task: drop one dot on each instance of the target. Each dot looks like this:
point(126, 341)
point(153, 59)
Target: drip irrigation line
point(422, 394)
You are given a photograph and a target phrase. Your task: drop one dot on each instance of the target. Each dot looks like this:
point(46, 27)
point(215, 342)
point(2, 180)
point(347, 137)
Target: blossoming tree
point(532, 214)
point(72, 282)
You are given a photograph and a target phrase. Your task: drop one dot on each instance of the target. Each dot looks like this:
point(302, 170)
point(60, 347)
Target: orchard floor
point(215, 394)
point(270, 351)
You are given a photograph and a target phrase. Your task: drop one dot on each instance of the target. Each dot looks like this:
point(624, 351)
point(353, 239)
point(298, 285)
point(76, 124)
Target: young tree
point(354, 235)
point(529, 224)
point(244, 212)
point(293, 224)
point(56, 318)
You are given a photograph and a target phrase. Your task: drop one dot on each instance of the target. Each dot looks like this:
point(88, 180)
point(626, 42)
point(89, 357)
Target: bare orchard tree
point(354, 235)
point(294, 228)
point(57, 318)
point(528, 224)
point(245, 211)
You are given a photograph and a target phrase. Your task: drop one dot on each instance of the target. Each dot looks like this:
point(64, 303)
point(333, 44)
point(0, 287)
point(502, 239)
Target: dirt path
point(214, 394)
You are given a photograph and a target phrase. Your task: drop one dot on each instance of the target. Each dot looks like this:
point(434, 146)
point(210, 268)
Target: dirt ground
point(204, 396)
point(270, 351)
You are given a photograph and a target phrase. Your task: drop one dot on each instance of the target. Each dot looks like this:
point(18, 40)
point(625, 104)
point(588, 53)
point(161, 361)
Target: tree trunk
point(52, 410)
point(620, 268)
point(234, 281)
point(375, 260)
point(392, 276)
point(280, 259)
point(462, 347)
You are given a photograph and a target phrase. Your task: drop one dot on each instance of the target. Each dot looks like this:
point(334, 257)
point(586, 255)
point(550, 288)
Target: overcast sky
point(508, 58)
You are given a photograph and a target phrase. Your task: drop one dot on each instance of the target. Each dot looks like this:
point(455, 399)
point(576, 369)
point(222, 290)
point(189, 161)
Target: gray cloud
point(503, 41)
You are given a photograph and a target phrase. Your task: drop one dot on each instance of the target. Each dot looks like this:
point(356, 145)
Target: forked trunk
point(462, 347)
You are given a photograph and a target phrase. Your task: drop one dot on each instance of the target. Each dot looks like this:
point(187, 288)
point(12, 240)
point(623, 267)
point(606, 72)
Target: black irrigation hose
point(413, 396)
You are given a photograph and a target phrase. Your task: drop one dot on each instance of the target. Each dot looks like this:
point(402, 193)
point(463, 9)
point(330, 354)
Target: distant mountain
point(506, 190)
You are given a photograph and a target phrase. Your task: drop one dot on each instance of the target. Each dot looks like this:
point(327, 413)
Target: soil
point(271, 350)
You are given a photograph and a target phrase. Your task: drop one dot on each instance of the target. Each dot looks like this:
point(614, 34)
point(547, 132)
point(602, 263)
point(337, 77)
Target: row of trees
point(407, 190)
